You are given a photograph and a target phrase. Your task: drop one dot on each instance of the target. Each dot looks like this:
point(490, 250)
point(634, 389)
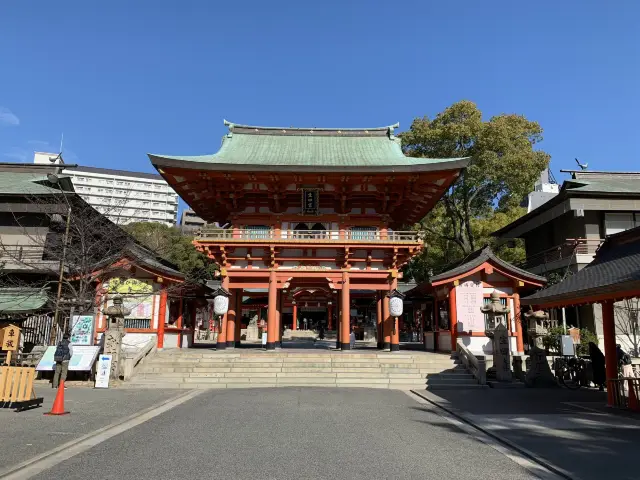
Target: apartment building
point(122, 196)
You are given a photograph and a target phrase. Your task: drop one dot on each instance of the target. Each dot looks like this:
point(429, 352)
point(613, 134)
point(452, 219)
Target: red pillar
point(179, 321)
point(238, 316)
point(345, 311)
point(610, 357)
point(221, 344)
point(294, 322)
point(517, 317)
point(232, 318)
point(279, 319)
point(394, 326)
point(379, 318)
point(271, 311)
point(453, 319)
point(162, 314)
point(386, 323)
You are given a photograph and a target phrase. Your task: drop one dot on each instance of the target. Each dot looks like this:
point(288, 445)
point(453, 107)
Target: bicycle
point(571, 372)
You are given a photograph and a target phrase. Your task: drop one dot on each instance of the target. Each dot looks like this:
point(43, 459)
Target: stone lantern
point(496, 330)
point(538, 325)
point(114, 333)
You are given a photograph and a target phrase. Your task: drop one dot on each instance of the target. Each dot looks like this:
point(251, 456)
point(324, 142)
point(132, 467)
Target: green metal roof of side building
point(274, 148)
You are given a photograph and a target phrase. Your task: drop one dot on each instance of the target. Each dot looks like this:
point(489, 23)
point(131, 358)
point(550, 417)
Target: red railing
point(626, 393)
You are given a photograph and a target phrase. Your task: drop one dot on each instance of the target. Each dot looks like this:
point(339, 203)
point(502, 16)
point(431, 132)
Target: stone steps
point(278, 369)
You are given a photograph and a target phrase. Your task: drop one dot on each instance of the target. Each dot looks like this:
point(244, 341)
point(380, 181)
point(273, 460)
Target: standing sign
point(310, 202)
point(102, 374)
point(9, 338)
point(82, 330)
point(469, 300)
point(82, 359)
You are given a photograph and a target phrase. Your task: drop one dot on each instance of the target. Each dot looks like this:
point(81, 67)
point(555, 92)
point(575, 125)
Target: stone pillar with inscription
point(114, 333)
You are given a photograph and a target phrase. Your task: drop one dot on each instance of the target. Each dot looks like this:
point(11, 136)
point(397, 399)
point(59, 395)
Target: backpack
point(62, 352)
point(626, 359)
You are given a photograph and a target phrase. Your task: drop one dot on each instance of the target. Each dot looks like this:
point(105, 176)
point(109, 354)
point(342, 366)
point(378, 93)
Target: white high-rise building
point(122, 196)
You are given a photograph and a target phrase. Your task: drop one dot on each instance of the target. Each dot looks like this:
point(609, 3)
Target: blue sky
point(122, 78)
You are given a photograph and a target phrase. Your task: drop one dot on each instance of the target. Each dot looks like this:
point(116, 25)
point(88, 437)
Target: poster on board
point(469, 300)
point(82, 330)
point(82, 359)
point(103, 371)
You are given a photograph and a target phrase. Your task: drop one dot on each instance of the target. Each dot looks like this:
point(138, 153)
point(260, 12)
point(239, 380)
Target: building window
point(619, 222)
point(109, 182)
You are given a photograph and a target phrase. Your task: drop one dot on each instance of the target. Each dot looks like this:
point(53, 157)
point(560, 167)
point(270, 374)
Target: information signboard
point(82, 359)
point(82, 330)
point(103, 371)
point(469, 300)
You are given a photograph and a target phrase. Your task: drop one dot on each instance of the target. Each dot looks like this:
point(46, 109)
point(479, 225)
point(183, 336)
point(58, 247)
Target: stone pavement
point(29, 433)
point(572, 431)
point(293, 433)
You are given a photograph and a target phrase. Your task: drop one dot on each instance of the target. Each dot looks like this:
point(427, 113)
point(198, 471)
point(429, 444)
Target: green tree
point(504, 168)
point(487, 195)
point(173, 245)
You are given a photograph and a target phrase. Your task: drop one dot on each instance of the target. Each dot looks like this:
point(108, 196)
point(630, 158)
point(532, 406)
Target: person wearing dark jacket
point(597, 363)
point(62, 355)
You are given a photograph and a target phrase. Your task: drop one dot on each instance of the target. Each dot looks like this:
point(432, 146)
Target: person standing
point(352, 338)
point(62, 355)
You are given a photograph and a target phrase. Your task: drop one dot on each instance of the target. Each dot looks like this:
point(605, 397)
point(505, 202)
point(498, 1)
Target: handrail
point(566, 249)
point(133, 359)
point(337, 236)
point(475, 364)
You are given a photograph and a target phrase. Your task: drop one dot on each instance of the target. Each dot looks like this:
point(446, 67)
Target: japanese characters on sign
point(310, 202)
point(10, 338)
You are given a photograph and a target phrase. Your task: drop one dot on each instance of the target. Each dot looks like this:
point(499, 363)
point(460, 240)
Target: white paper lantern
point(395, 306)
point(220, 304)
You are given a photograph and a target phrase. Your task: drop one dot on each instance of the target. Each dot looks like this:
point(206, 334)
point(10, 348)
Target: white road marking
point(532, 467)
point(47, 460)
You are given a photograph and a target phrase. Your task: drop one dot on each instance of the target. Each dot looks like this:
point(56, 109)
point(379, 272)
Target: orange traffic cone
point(58, 403)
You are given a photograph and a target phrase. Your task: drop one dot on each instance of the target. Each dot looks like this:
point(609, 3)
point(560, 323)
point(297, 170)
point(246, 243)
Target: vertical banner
point(104, 368)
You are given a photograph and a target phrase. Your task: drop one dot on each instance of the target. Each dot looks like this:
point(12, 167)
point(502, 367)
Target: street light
point(55, 180)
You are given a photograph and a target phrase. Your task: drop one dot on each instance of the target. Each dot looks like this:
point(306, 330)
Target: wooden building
point(310, 216)
point(449, 303)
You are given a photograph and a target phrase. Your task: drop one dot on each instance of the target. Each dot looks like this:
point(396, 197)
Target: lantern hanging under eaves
point(221, 301)
point(396, 303)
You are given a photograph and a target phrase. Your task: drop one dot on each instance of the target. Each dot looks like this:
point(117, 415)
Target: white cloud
point(8, 118)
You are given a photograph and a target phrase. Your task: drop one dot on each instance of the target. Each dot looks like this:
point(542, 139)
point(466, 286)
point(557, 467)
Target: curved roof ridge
point(320, 129)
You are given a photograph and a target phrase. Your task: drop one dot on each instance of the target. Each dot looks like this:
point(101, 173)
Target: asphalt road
point(295, 433)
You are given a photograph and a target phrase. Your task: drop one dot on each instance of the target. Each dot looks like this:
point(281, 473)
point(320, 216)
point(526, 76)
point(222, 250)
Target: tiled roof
point(481, 256)
point(15, 300)
point(110, 171)
point(25, 183)
point(329, 148)
point(615, 269)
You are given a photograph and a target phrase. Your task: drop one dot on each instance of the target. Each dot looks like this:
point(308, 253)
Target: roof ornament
point(230, 125)
point(391, 129)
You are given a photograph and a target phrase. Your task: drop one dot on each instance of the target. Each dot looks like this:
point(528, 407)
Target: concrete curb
point(521, 450)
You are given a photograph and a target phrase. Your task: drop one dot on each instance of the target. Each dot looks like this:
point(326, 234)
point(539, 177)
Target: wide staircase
point(197, 369)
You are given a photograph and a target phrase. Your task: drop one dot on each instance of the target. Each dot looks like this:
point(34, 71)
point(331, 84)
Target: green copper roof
point(23, 183)
point(609, 185)
point(13, 300)
point(316, 148)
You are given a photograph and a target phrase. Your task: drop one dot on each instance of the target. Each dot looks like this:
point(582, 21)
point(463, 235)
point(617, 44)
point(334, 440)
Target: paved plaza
point(321, 433)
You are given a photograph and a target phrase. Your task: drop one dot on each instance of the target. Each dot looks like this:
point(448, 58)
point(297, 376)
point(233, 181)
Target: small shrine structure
point(450, 303)
point(160, 304)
